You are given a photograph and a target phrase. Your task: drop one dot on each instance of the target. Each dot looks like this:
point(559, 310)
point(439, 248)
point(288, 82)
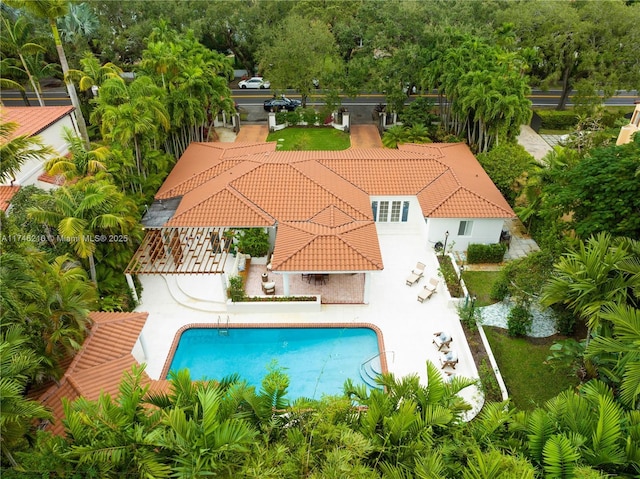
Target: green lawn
point(529, 381)
point(322, 138)
point(480, 284)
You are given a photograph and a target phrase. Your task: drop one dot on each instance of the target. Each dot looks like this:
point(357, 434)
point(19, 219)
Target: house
point(323, 210)
point(48, 123)
point(627, 131)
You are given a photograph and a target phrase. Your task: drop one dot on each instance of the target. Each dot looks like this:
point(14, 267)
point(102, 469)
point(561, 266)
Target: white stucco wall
point(483, 231)
point(52, 136)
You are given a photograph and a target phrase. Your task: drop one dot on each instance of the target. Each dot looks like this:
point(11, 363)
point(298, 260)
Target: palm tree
point(622, 350)
point(203, 435)
point(15, 150)
point(16, 39)
point(51, 10)
point(132, 113)
point(590, 277)
point(94, 74)
point(17, 413)
point(394, 136)
point(588, 427)
point(400, 421)
point(115, 437)
point(82, 211)
point(82, 162)
point(70, 298)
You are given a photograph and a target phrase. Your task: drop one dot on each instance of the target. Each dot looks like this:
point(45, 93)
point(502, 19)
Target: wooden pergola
point(180, 251)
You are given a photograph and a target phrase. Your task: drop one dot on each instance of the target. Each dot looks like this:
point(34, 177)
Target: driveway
point(365, 136)
point(253, 133)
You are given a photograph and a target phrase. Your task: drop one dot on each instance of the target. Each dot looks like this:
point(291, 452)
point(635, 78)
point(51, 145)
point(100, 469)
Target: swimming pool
point(317, 360)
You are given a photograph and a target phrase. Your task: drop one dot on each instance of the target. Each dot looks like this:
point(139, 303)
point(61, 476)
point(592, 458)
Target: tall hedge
point(486, 253)
point(558, 120)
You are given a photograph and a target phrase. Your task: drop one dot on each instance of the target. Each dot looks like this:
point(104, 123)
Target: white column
point(367, 288)
point(285, 284)
point(132, 287)
point(272, 121)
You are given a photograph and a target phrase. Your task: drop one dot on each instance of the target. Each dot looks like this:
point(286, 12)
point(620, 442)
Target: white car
point(255, 82)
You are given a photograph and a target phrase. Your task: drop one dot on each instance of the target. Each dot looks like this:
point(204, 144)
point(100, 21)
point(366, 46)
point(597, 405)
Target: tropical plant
point(116, 437)
point(591, 276)
point(51, 10)
point(15, 150)
point(619, 355)
point(253, 241)
point(17, 39)
point(132, 114)
point(84, 212)
point(18, 414)
point(81, 162)
point(394, 136)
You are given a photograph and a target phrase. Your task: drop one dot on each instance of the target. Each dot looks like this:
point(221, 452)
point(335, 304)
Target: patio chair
point(449, 359)
point(416, 274)
point(269, 288)
point(442, 340)
point(428, 290)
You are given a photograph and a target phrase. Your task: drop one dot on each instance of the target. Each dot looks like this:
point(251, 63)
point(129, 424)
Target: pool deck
point(407, 325)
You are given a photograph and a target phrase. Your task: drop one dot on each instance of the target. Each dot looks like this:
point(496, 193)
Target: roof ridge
point(365, 213)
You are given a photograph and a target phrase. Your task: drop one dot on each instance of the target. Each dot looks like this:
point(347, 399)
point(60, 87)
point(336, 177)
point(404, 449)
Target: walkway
point(253, 133)
point(365, 136)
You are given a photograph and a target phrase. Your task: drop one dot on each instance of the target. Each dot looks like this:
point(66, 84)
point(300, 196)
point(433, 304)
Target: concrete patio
point(407, 325)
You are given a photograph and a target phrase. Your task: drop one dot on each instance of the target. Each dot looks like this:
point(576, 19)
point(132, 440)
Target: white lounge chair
point(449, 359)
point(442, 340)
point(428, 290)
point(416, 274)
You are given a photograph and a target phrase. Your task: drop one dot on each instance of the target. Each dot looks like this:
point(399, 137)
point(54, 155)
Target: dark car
point(277, 104)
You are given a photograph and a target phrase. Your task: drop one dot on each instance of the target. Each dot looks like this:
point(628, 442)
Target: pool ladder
point(223, 326)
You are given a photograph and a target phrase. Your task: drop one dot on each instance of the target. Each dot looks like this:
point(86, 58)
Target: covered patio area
point(338, 288)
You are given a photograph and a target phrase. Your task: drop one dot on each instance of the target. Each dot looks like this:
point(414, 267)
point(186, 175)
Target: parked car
point(282, 103)
point(255, 82)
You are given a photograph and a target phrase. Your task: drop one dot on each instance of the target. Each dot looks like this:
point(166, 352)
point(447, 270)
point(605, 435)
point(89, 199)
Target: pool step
point(369, 371)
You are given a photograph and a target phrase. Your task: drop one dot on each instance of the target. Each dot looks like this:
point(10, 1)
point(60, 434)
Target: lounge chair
point(428, 290)
point(416, 274)
point(448, 359)
point(442, 340)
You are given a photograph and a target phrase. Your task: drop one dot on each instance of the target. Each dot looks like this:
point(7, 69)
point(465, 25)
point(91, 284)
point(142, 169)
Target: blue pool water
point(317, 360)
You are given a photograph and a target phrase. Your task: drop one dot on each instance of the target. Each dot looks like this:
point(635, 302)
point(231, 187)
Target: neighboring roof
point(99, 365)
point(6, 194)
point(320, 200)
point(32, 120)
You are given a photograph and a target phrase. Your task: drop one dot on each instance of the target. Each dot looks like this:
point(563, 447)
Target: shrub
point(500, 288)
point(558, 120)
point(309, 116)
point(281, 117)
point(486, 253)
point(254, 242)
point(293, 117)
point(519, 320)
point(489, 383)
point(469, 315)
point(236, 289)
point(448, 272)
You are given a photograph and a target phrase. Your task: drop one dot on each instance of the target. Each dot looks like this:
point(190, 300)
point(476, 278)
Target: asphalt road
point(252, 101)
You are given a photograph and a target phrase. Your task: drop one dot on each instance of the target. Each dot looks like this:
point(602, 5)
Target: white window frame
point(465, 228)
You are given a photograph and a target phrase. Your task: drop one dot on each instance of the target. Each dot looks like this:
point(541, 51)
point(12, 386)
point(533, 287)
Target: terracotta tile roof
point(204, 161)
point(6, 193)
point(316, 197)
point(309, 247)
point(32, 120)
point(100, 364)
point(52, 179)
